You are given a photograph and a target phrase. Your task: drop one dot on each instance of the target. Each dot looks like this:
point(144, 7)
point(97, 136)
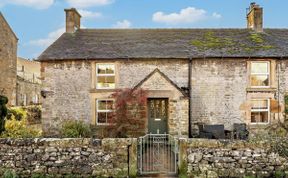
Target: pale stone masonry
point(28, 82)
point(218, 90)
point(207, 76)
point(69, 96)
point(112, 157)
point(8, 61)
point(68, 157)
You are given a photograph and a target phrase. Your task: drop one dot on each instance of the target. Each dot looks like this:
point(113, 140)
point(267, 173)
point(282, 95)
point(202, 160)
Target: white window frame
point(35, 99)
point(261, 110)
point(105, 75)
point(268, 74)
point(105, 111)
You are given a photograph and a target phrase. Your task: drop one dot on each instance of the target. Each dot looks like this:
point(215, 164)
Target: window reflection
point(259, 76)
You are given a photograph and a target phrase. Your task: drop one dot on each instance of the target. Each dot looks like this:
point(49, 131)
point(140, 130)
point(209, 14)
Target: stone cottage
point(210, 76)
point(28, 82)
point(8, 61)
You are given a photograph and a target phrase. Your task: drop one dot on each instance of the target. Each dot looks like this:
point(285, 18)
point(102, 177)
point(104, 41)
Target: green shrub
point(3, 112)
point(75, 129)
point(10, 174)
point(18, 113)
point(38, 175)
point(280, 174)
point(19, 129)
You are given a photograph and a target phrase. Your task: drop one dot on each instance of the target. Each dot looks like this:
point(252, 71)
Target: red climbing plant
point(129, 115)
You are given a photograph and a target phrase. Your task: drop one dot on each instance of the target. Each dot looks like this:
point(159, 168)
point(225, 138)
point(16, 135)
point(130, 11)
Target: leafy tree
point(3, 112)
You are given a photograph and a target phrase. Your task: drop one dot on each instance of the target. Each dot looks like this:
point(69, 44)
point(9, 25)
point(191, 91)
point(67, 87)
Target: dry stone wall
point(60, 157)
point(214, 158)
point(118, 158)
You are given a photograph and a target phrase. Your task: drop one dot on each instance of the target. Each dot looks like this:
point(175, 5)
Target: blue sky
point(38, 23)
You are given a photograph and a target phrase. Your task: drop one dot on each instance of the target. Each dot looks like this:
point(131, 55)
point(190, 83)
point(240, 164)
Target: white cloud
point(216, 15)
point(52, 36)
point(37, 4)
point(123, 24)
point(185, 16)
point(89, 14)
point(88, 3)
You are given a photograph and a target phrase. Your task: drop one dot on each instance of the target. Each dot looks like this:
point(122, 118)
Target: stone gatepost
point(182, 158)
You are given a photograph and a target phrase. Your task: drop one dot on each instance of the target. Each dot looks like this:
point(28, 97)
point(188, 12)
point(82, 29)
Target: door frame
point(147, 111)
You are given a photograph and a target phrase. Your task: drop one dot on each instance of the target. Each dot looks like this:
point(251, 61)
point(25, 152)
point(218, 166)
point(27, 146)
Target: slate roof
point(167, 43)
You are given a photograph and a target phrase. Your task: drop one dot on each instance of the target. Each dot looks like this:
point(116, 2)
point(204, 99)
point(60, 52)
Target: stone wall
point(70, 157)
point(29, 91)
point(282, 68)
point(216, 158)
point(218, 90)
point(8, 61)
point(67, 90)
point(118, 158)
point(133, 71)
point(71, 93)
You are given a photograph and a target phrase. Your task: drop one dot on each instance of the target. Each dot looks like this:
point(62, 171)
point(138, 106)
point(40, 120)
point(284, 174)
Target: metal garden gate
point(157, 154)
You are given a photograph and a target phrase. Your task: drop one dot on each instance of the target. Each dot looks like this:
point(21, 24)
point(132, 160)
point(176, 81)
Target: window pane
point(106, 82)
point(101, 117)
point(259, 117)
point(259, 67)
point(110, 69)
point(105, 69)
point(259, 80)
point(259, 104)
point(101, 69)
point(101, 105)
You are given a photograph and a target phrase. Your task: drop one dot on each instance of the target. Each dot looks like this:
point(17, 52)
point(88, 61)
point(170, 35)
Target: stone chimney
point(72, 20)
point(255, 17)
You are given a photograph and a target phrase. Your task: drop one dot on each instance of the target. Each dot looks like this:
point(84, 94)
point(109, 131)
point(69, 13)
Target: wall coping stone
point(64, 142)
point(229, 144)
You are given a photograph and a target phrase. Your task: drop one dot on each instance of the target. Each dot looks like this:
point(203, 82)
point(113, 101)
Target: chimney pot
point(255, 17)
point(73, 20)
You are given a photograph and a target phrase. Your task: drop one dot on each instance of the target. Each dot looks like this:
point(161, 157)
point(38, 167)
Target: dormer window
point(260, 74)
point(105, 76)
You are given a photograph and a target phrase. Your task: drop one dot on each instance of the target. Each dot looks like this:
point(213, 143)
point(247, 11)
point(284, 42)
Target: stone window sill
point(101, 90)
point(261, 89)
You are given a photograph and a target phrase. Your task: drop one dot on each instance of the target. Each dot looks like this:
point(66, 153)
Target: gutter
point(190, 97)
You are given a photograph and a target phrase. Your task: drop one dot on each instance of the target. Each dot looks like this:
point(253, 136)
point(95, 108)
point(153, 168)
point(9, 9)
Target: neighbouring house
point(193, 76)
point(28, 82)
point(8, 61)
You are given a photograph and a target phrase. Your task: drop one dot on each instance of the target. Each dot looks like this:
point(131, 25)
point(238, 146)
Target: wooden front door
point(157, 115)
